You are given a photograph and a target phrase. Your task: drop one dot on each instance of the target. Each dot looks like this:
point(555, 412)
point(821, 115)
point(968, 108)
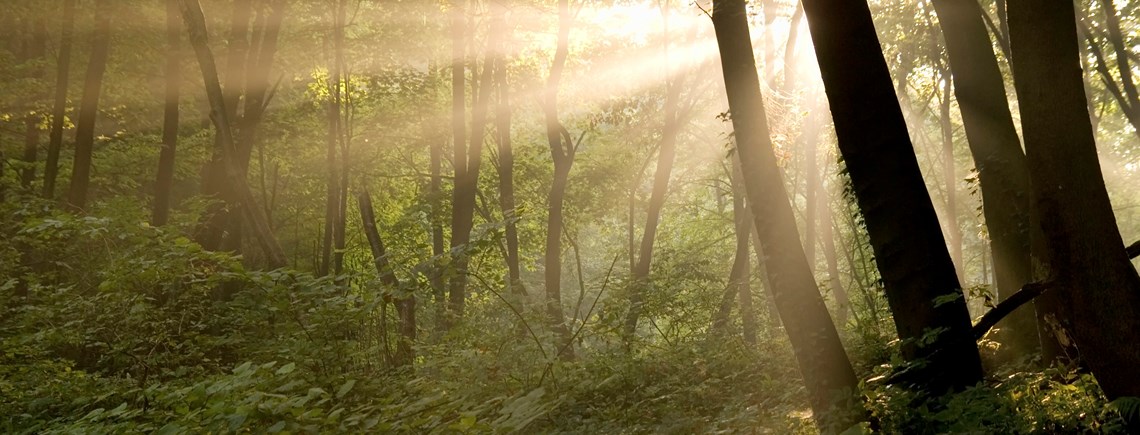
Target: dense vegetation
point(413, 216)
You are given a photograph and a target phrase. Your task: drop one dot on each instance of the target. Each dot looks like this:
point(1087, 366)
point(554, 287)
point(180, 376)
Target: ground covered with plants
point(125, 333)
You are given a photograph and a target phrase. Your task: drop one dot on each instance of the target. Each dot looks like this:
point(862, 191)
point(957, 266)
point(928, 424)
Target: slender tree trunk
point(827, 233)
point(562, 150)
point(790, 52)
point(36, 51)
point(59, 106)
point(666, 152)
point(1092, 277)
point(809, 138)
point(743, 227)
point(953, 230)
point(437, 242)
point(343, 99)
point(467, 182)
point(457, 285)
point(506, 160)
point(333, 216)
point(823, 362)
point(919, 277)
point(89, 107)
point(405, 306)
point(1004, 180)
point(254, 216)
point(165, 178)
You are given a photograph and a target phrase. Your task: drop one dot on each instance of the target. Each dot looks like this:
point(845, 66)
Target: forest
point(569, 216)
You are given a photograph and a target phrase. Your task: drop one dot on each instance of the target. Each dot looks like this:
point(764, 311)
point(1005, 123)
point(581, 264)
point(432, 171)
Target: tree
point(253, 215)
point(996, 149)
point(89, 107)
point(823, 362)
point(59, 106)
point(1085, 266)
point(251, 50)
point(675, 118)
point(740, 277)
point(506, 163)
point(35, 50)
point(406, 304)
point(468, 161)
point(921, 284)
point(165, 177)
point(562, 151)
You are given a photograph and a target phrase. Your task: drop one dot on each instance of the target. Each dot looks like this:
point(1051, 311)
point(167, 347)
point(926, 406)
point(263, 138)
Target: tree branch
point(1023, 296)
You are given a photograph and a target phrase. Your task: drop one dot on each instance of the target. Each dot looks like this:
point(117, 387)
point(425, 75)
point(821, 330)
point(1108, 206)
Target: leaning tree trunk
point(920, 281)
point(165, 179)
point(59, 106)
point(1088, 271)
point(89, 107)
point(996, 149)
point(405, 305)
point(823, 362)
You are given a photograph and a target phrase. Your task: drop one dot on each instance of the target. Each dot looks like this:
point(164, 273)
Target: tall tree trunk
point(1090, 274)
point(743, 226)
point(254, 216)
point(506, 160)
point(343, 100)
point(437, 243)
point(823, 362)
point(36, 52)
point(173, 80)
point(827, 233)
point(89, 107)
point(919, 278)
point(405, 306)
point(562, 150)
point(59, 106)
point(1002, 175)
point(457, 286)
point(467, 181)
point(333, 216)
point(953, 230)
point(666, 152)
point(809, 139)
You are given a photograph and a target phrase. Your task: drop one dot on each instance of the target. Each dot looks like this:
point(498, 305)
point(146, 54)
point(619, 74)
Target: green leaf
point(277, 427)
point(344, 389)
point(286, 369)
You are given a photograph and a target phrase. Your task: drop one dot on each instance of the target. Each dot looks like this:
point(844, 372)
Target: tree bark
point(89, 107)
point(1002, 175)
point(165, 178)
point(59, 106)
point(1096, 285)
point(823, 362)
point(919, 277)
